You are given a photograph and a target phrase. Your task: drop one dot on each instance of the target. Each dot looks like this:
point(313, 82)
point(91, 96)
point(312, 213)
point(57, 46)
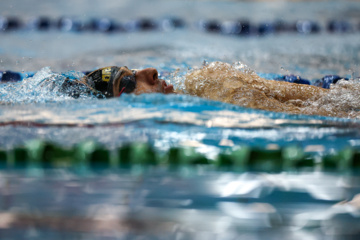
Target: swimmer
point(113, 81)
point(223, 82)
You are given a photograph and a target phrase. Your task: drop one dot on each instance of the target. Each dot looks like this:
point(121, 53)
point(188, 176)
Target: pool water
point(164, 121)
point(255, 206)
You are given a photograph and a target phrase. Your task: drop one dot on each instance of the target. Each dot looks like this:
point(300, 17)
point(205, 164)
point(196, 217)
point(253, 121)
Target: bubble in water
point(243, 67)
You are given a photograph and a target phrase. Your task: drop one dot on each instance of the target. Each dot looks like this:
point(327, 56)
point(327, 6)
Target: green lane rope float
point(94, 157)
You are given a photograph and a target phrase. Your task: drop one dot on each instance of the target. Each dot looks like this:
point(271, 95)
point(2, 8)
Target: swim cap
point(112, 80)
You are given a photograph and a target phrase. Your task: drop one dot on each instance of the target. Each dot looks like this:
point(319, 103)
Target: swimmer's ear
point(116, 83)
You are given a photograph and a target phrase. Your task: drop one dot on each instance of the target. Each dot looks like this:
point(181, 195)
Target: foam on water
point(44, 86)
point(342, 100)
point(238, 84)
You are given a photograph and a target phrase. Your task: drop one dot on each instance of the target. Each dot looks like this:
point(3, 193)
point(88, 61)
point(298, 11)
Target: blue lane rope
point(324, 82)
point(242, 27)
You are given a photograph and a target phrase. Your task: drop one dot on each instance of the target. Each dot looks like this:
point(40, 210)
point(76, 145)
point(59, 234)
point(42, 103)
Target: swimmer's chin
point(169, 89)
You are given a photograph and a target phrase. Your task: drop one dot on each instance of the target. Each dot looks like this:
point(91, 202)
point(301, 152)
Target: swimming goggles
point(127, 83)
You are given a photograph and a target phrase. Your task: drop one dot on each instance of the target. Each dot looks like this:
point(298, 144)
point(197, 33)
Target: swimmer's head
point(147, 81)
point(113, 81)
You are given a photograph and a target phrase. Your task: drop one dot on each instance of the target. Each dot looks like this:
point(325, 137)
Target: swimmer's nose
point(149, 74)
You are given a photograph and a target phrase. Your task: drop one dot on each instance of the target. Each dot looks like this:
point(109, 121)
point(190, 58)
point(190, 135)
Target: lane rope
point(241, 27)
point(45, 154)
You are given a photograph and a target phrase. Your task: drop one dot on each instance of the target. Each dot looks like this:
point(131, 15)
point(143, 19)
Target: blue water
point(164, 121)
point(158, 204)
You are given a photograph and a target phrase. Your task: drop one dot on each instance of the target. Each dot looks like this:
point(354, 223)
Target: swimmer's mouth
point(167, 88)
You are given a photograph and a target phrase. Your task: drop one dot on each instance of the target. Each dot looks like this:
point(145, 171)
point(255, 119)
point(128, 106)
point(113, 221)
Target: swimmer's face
point(147, 81)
